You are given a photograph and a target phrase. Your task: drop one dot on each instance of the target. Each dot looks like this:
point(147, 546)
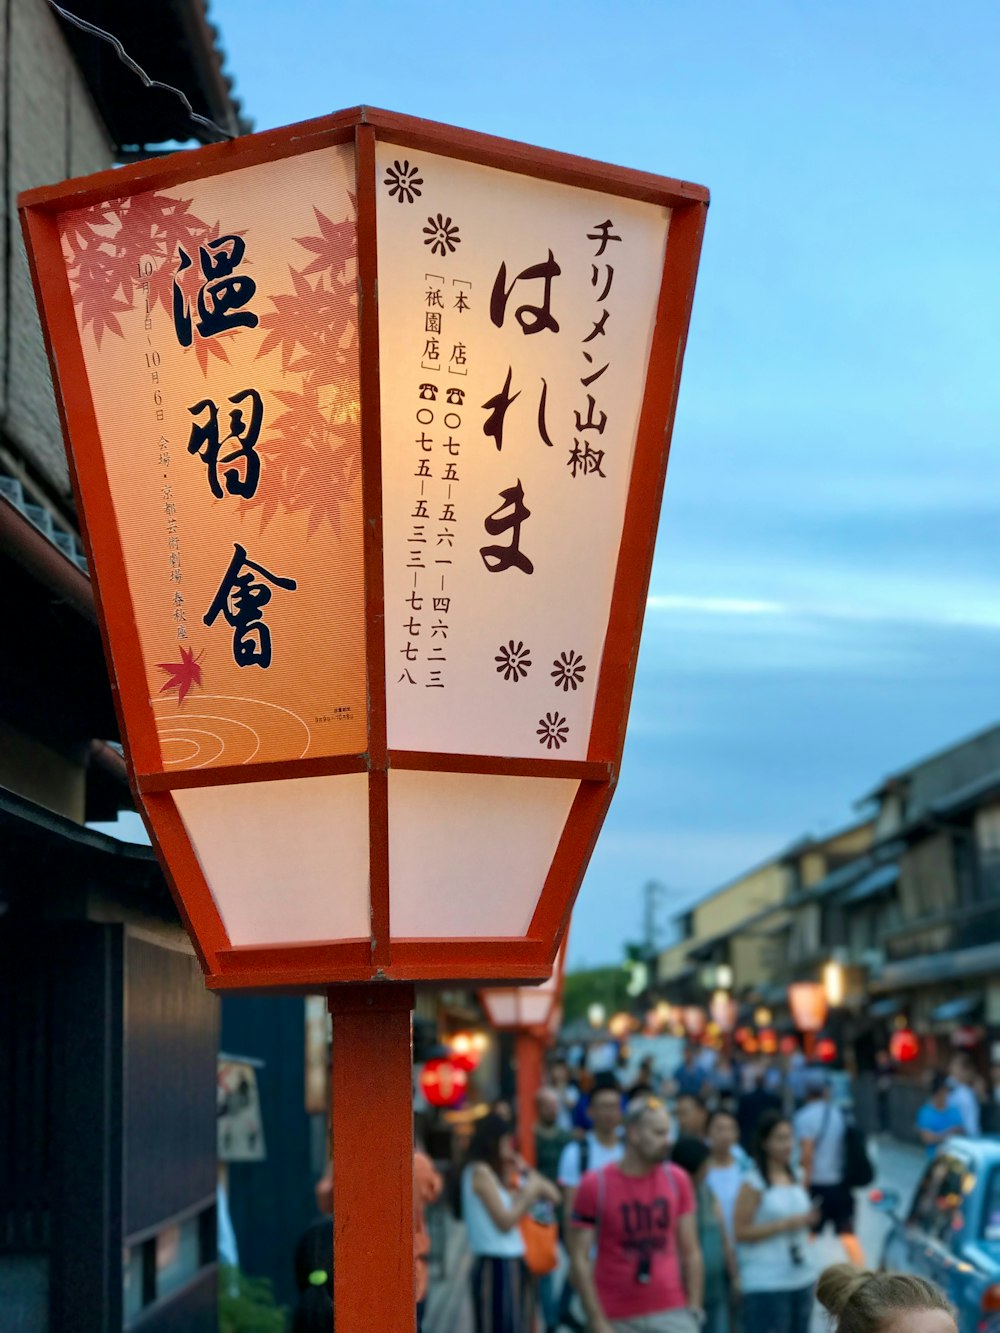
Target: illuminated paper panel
point(285, 861)
point(469, 853)
point(510, 406)
point(244, 440)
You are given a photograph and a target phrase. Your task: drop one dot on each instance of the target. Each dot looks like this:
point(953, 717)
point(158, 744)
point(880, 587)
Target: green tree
point(594, 985)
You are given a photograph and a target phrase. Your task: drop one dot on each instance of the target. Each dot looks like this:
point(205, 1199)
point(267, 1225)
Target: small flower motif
point(553, 730)
point(403, 182)
point(441, 235)
point(514, 661)
point(568, 672)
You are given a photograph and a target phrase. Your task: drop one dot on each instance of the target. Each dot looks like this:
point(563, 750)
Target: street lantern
point(444, 1082)
point(724, 1010)
point(833, 984)
point(826, 1050)
point(465, 1051)
point(808, 1004)
point(904, 1046)
point(371, 568)
point(533, 1014)
point(368, 423)
point(694, 1020)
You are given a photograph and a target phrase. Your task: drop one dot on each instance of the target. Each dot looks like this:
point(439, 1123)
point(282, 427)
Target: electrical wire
point(127, 60)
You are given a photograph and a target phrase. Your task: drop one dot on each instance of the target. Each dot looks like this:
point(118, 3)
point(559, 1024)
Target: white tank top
point(485, 1237)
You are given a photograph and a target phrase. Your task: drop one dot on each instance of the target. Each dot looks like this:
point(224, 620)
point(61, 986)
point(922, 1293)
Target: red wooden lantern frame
point(382, 957)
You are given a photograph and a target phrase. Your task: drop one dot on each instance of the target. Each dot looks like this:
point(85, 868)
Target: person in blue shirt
point(690, 1078)
point(937, 1120)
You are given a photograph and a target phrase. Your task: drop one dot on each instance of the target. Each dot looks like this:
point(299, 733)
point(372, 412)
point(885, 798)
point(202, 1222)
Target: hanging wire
point(127, 60)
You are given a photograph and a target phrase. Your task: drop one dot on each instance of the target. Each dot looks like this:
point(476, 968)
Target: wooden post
point(528, 1053)
point(371, 1116)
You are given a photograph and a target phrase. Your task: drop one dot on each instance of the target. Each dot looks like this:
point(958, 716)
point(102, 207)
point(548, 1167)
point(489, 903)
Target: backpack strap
point(584, 1155)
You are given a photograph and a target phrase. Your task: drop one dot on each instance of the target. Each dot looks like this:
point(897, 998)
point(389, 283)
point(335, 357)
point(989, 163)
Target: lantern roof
point(368, 422)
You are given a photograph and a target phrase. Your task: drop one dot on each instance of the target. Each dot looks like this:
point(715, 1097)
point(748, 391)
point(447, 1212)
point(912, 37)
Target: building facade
point(108, 1039)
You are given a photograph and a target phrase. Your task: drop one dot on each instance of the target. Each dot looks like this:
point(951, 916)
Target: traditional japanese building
point(108, 1039)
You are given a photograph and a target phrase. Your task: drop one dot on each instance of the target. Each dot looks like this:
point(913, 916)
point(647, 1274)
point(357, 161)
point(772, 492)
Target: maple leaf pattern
point(104, 246)
point(312, 449)
point(183, 674)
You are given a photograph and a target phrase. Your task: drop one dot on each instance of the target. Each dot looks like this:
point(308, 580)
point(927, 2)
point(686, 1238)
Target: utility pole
point(653, 891)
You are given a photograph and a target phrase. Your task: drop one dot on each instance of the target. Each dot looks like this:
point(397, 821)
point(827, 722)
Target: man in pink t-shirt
point(639, 1215)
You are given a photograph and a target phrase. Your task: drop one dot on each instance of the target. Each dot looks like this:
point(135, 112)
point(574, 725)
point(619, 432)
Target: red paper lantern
point(904, 1046)
point(826, 1050)
point(807, 1001)
point(768, 1041)
point(443, 1082)
point(742, 1035)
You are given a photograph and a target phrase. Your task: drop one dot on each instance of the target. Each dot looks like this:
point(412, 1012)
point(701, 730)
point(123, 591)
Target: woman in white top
point(771, 1220)
point(727, 1163)
point(502, 1290)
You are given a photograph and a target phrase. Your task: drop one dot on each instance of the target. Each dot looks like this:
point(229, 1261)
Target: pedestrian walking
point(313, 1311)
point(691, 1077)
point(883, 1302)
point(726, 1164)
point(772, 1221)
point(427, 1187)
point(821, 1130)
point(637, 1219)
point(939, 1118)
point(721, 1281)
point(692, 1115)
point(753, 1104)
point(600, 1146)
point(963, 1094)
point(885, 1072)
point(502, 1289)
point(550, 1141)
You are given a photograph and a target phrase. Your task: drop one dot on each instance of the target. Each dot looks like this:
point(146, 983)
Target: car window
point(937, 1205)
point(991, 1208)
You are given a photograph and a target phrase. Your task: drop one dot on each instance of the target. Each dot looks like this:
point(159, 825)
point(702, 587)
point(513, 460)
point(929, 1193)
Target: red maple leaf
point(183, 674)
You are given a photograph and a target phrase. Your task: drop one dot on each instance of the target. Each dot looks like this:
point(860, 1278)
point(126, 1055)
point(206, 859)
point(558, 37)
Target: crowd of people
point(683, 1203)
point(677, 1202)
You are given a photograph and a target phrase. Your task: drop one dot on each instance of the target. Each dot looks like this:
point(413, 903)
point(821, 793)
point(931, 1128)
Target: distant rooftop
point(173, 41)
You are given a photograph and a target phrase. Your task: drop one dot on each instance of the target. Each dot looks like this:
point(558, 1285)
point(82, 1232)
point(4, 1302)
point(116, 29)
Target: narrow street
point(898, 1167)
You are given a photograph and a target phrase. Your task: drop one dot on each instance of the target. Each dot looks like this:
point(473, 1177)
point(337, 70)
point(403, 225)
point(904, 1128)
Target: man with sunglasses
point(633, 1235)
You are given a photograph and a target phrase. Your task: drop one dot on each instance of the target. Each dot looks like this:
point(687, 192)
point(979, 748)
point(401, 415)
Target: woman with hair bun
point(860, 1302)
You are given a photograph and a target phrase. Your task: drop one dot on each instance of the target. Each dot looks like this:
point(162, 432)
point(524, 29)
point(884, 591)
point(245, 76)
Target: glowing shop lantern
point(826, 1050)
point(904, 1046)
point(465, 1053)
point(368, 420)
point(808, 1004)
point(767, 1040)
point(536, 1009)
point(724, 1010)
point(695, 1021)
point(443, 1082)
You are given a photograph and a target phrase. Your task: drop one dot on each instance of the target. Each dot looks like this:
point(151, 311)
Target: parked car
point(951, 1233)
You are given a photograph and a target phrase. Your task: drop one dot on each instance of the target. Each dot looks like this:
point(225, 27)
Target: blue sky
point(825, 601)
